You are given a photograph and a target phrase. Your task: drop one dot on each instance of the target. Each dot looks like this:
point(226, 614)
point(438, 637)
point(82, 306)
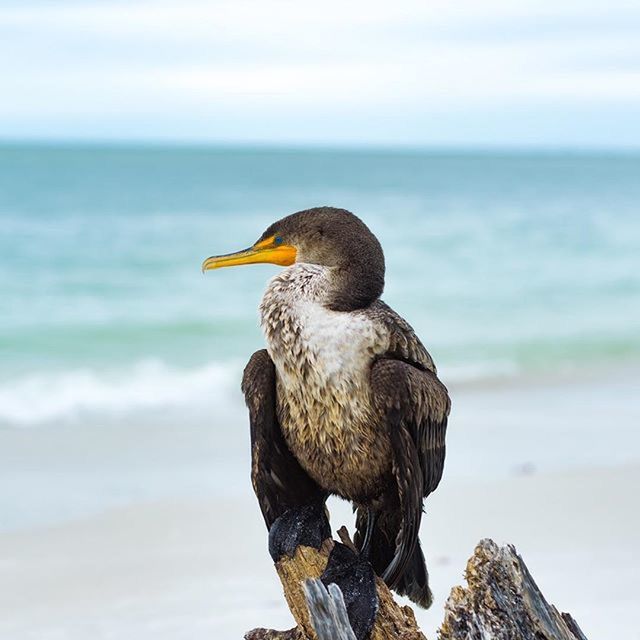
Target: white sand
point(176, 571)
point(197, 568)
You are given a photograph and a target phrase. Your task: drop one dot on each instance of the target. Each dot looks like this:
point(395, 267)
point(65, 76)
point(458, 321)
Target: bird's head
point(326, 236)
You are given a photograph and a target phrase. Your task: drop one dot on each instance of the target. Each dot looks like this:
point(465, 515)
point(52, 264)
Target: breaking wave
point(151, 384)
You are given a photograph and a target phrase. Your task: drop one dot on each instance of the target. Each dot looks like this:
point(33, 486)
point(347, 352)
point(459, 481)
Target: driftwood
point(501, 602)
point(328, 611)
point(299, 576)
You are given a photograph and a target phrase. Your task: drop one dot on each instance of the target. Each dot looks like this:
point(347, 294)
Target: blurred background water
point(507, 264)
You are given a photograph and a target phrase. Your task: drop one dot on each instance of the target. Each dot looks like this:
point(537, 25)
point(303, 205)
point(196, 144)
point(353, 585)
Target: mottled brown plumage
point(345, 399)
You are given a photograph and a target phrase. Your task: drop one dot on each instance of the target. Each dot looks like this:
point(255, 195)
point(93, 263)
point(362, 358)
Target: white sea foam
point(151, 384)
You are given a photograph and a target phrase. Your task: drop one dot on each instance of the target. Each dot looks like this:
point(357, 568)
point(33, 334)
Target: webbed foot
point(307, 525)
point(356, 579)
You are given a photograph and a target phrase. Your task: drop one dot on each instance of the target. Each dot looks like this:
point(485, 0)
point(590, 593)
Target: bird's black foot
point(307, 525)
point(356, 579)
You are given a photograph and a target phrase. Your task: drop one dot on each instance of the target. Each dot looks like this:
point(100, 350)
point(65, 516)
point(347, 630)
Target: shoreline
point(121, 398)
point(607, 372)
point(72, 468)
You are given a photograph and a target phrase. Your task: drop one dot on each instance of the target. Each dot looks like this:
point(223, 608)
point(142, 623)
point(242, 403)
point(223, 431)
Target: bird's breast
point(323, 360)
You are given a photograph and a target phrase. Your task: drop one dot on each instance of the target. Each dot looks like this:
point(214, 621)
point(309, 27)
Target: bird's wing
point(404, 344)
point(279, 482)
point(414, 405)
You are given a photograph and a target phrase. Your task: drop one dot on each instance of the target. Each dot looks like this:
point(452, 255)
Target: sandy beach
point(197, 567)
point(200, 569)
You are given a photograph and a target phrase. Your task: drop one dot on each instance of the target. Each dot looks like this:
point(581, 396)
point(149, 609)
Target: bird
point(345, 400)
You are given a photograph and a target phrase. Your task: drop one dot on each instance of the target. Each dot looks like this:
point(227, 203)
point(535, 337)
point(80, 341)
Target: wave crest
point(150, 384)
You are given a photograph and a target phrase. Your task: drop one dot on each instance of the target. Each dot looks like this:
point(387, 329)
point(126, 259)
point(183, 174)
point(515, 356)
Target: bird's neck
point(300, 283)
point(304, 334)
point(287, 301)
point(355, 285)
point(335, 288)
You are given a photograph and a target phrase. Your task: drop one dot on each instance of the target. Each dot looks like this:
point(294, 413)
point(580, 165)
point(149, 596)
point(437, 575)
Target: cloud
point(243, 70)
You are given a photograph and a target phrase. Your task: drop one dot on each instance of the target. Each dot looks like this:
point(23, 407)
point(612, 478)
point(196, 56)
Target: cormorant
point(345, 399)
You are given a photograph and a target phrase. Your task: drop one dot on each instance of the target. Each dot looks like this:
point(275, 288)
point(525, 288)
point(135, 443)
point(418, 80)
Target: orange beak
point(265, 251)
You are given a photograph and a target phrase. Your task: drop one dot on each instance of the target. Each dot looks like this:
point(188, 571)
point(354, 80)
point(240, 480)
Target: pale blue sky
point(463, 72)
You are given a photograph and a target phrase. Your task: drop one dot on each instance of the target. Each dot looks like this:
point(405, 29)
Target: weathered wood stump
point(393, 622)
point(500, 602)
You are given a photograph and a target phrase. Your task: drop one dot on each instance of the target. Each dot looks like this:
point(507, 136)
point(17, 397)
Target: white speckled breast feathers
point(323, 360)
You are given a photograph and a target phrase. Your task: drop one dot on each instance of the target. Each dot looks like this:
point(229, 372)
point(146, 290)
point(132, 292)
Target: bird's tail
point(414, 579)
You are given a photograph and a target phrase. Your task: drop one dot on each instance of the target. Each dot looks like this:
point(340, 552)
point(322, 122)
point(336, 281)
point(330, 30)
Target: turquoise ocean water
point(506, 264)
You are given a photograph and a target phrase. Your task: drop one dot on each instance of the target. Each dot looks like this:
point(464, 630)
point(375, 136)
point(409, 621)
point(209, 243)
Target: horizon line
point(311, 145)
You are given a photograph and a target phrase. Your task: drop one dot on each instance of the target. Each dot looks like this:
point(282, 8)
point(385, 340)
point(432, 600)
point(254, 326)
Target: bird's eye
point(277, 240)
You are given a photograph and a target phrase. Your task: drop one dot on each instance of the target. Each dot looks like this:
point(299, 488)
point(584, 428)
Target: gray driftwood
point(328, 612)
point(500, 602)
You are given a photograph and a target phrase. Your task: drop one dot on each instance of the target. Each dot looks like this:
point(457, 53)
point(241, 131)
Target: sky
point(407, 72)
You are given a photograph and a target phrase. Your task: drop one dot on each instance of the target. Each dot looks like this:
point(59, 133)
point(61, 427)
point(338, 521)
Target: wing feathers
point(406, 469)
point(414, 405)
point(279, 481)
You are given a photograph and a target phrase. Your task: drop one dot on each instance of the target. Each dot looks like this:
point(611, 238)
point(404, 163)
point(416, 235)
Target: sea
point(509, 265)
point(506, 264)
